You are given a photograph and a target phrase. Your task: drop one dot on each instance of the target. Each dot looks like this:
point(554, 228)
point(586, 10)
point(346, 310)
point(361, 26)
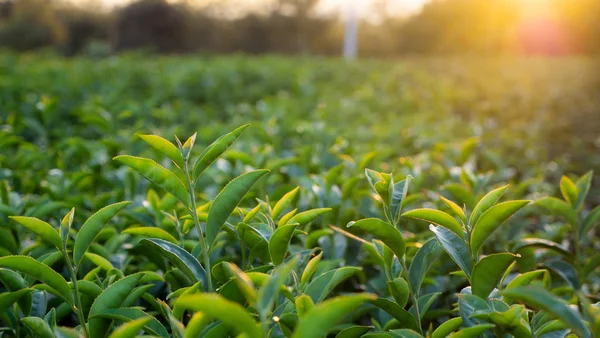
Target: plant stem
point(194, 213)
point(78, 308)
point(413, 293)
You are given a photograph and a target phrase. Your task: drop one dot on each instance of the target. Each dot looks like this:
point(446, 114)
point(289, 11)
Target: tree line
point(298, 27)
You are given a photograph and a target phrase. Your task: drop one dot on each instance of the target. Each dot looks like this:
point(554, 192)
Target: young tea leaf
point(216, 149)
point(386, 232)
point(165, 147)
point(438, 218)
point(488, 272)
point(491, 220)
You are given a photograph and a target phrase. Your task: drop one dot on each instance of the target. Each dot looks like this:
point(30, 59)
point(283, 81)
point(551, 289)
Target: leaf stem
point(194, 213)
point(78, 308)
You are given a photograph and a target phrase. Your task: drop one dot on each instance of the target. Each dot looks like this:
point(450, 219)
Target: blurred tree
point(30, 24)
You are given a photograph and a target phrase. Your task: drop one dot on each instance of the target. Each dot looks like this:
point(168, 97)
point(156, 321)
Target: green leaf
point(111, 298)
point(472, 332)
point(437, 217)
point(41, 272)
point(558, 208)
point(180, 258)
point(65, 225)
point(7, 299)
point(590, 221)
point(485, 203)
point(308, 216)
point(325, 316)
point(38, 326)
point(224, 204)
point(14, 282)
point(354, 331)
point(151, 324)
point(280, 241)
point(397, 312)
point(165, 147)
point(422, 262)
point(99, 261)
point(512, 321)
point(322, 285)
point(304, 305)
point(196, 324)
point(491, 220)
point(447, 328)
point(583, 184)
point(541, 299)
point(399, 194)
point(216, 149)
point(455, 247)
point(543, 243)
point(488, 272)
point(405, 333)
point(310, 269)
point(230, 313)
point(130, 329)
point(569, 190)
point(399, 290)
point(566, 271)
point(525, 279)
point(386, 232)
point(269, 292)
point(284, 202)
point(158, 175)
point(455, 208)
point(243, 282)
point(152, 232)
point(92, 227)
point(40, 228)
point(592, 264)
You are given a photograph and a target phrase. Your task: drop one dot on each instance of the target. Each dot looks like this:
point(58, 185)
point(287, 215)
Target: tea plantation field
point(188, 196)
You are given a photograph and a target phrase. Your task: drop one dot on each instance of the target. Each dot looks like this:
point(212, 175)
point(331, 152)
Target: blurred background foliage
point(298, 26)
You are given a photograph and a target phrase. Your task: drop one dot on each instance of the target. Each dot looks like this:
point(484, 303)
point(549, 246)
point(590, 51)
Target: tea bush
point(313, 222)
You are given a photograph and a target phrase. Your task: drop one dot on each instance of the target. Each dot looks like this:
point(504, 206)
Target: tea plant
point(241, 263)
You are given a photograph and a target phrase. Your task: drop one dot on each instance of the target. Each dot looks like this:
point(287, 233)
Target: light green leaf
point(230, 313)
point(437, 217)
point(243, 282)
point(40, 228)
point(158, 175)
point(354, 331)
point(422, 262)
point(446, 328)
point(525, 279)
point(491, 220)
point(111, 298)
point(455, 247)
point(325, 316)
point(284, 202)
point(455, 208)
point(92, 227)
point(130, 329)
point(280, 241)
point(488, 272)
point(304, 304)
point(165, 147)
point(99, 261)
point(216, 149)
point(541, 299)
point(310, 269)
point(224, 204)
point(399, 290)
point(558, 208)
point(569, 190)
point(180, 258)
point(152, 232)
point(471, 332)
point(41, 272)
point(386, 232)
point(485, 203)
point(308, 216)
